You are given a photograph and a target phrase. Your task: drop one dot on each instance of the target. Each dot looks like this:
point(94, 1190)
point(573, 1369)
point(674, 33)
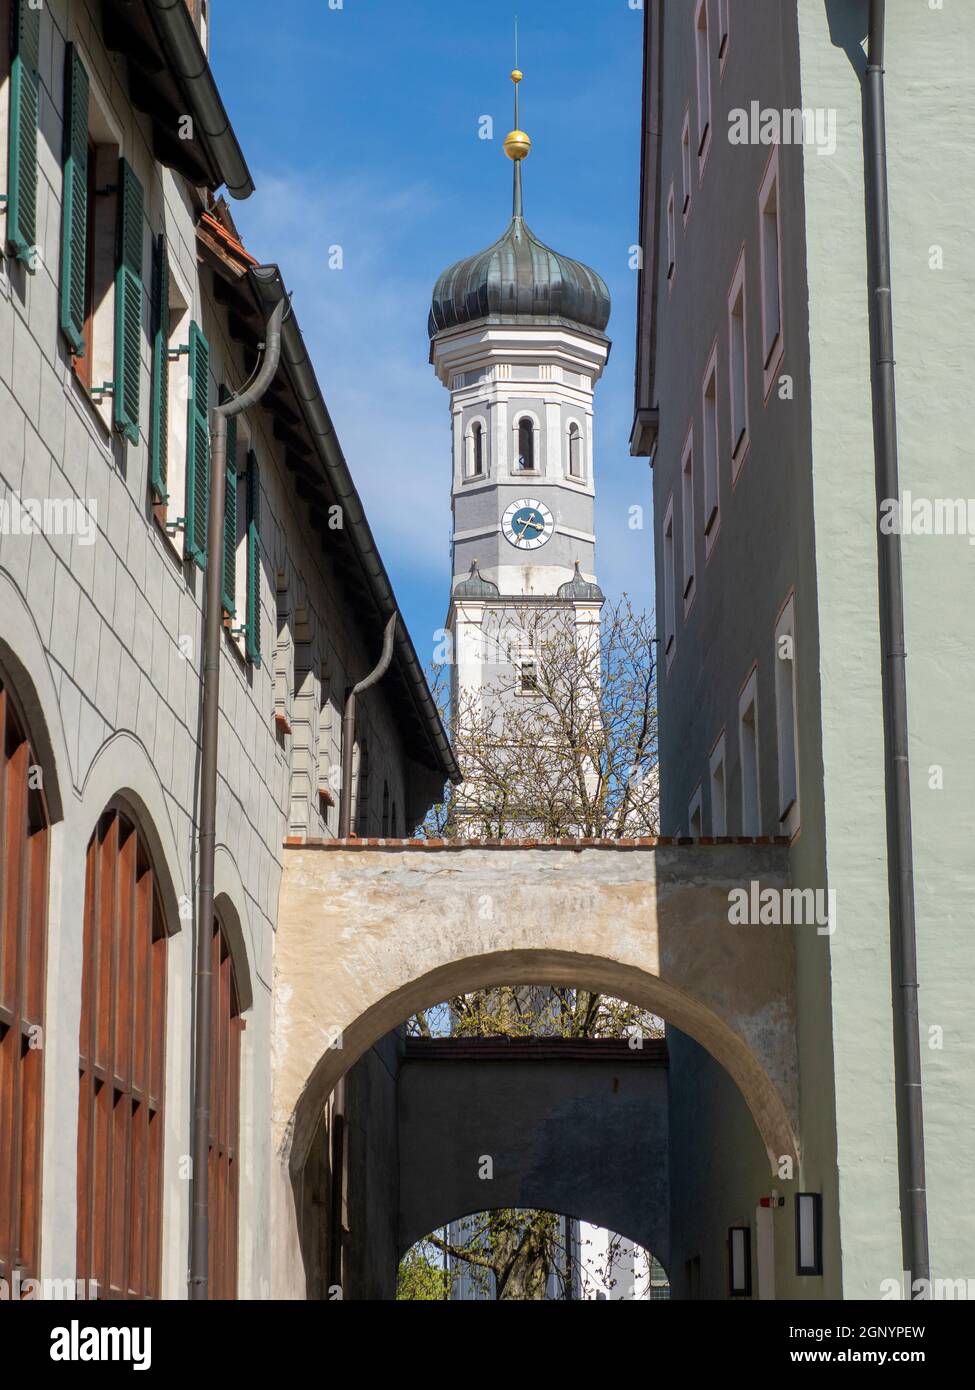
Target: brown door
point(122, 1067)
point(24, 837)
point(223, 1178)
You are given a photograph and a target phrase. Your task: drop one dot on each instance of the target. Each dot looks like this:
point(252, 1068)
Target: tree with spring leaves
point(559, 739)
point(560, 736)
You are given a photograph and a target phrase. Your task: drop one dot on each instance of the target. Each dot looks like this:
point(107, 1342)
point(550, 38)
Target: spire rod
point(517, 144)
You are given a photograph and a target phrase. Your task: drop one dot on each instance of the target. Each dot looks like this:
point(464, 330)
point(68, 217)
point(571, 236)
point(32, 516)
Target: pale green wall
point(928, 78)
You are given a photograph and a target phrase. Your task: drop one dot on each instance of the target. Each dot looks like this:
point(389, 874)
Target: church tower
point(517, 336)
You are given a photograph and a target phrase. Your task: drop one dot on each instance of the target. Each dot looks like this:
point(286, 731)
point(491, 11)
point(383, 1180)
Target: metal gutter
point(348, 726)
point(268, 284)
point(646, 419)
point(209, 744)
point(181, 44)
point(900, 852)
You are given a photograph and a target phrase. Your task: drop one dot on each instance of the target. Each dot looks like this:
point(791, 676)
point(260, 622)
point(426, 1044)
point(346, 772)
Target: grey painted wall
point(586, 1138)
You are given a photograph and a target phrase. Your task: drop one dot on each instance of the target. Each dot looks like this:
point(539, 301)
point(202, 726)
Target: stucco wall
point(101, 643)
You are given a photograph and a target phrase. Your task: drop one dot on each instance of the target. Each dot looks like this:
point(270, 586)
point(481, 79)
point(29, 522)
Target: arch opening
point(559, 969)
point(479, 1256)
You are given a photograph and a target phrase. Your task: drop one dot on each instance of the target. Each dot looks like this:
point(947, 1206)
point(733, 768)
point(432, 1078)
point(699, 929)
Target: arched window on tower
point(526, 445)
point(475, 464)
point(576, 465)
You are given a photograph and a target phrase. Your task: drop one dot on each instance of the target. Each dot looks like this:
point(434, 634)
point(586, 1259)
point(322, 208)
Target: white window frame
point(685, 161)
point(711, 451)
point(748, 755)
point(688, 539)
point(519, 414)
point(108, 138)
point(718, 787)
point(177, 443)
point(770, 243)
point(702, 59)
point(581, 476)
point(671, 238)
point(738, 348)
point(469, 474)
point(787, 718)
point(670, 584)
point(695, 807)
point(724, 33)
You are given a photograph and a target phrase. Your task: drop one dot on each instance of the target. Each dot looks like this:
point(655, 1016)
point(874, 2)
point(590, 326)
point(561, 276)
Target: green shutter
point(228, 588)
point(252, 630)
point(25, 90)
point(159, 410)
point(198, 448)
point(128, 303)
point(74, 206)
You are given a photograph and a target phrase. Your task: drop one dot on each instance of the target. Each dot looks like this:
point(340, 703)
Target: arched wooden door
point(224, 1171)
point(122, 1051)
point(24, 845)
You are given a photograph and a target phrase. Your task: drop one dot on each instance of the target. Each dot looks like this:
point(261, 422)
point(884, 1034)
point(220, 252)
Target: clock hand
point(529, 521)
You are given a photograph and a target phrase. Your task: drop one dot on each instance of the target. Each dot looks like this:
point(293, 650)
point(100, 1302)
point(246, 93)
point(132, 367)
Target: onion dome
point(580, 590)
point(519, 279)
point(475, 586)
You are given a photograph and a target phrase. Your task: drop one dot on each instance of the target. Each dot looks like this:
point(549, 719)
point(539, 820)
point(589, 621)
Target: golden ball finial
point(517, 75)
point(517, 145)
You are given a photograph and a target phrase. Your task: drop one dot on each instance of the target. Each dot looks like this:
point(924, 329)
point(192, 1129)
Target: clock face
point(528, 524)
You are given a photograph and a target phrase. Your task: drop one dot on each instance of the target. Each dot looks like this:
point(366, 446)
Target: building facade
point(754, 404)
point(128, 307)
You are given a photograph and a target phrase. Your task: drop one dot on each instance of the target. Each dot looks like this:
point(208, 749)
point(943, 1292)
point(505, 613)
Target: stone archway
point(369, 932)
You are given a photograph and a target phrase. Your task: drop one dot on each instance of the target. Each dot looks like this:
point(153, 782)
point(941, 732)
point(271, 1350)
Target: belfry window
point(526, 445)
point(475, 468)
point(576, 469)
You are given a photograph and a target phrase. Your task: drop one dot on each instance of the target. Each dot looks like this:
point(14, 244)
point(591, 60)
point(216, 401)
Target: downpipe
point(903, 925)
point(348, 727)
point(213, 623)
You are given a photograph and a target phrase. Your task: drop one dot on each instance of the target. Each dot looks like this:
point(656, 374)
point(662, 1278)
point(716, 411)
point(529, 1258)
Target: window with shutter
point(159, 409)
point(128, 304)
point(253, 625)
point(197, 448)
point(74, 207)
point(24, 107)
point(228, 584)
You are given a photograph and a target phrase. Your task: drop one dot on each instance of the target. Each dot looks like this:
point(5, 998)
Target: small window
point(748, 752)
point(738, 369)
point(670, 610)
point(695, 814)
point(685, 162)
point(101, 273)
point(477, 463)
point(671, 236)
point(528, 673)
point(710, 449)
point(526, 445)
point(687, 513)
point(724, 18)
point(739, 1262)
point(284, 659)
point(771, 264)
point(703, 56)
point(576, 466)
point(785, 719)
point(716, 780)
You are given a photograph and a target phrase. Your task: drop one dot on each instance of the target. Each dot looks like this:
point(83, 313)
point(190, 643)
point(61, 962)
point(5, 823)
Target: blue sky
point(360, 125)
